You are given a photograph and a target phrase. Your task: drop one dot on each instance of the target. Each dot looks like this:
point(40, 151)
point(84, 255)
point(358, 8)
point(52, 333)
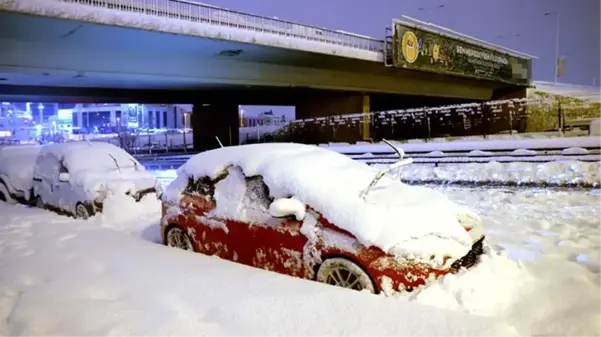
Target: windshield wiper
point(401, 162)
point(135, 164)
point(116, 163)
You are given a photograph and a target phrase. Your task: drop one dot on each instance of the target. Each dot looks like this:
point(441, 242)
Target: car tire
point(344, 273)
point(5, 195)
point(38, 202)
point(82, 211)
point(177, 237)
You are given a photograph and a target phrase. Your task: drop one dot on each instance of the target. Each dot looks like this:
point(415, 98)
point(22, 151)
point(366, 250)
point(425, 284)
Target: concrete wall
point(517, 24)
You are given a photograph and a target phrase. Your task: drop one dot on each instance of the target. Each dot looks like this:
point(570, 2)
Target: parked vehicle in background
point(75, 177)
point(316, 214)
point(16, 172)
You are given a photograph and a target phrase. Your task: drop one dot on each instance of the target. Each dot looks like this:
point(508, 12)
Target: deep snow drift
point(554, 235)
point(68, 277)
point(115, 280)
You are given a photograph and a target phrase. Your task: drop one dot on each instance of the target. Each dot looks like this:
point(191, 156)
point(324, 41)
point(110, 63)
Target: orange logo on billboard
point(410, 47)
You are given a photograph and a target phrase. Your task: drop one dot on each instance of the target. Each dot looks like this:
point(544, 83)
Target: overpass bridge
point(186, 52)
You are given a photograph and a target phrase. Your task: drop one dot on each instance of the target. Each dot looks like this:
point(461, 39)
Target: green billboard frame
point(423, 49)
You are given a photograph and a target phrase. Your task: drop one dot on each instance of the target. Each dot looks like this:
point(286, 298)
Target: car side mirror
point(285, 207)
point(64, 177)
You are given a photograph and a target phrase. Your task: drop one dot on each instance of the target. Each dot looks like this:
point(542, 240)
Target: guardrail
point(201, 13)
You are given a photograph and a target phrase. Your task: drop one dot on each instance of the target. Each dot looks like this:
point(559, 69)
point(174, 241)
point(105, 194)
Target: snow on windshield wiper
point(116, 163)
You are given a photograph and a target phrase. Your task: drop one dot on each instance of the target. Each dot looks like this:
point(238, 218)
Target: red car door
point(280, 247)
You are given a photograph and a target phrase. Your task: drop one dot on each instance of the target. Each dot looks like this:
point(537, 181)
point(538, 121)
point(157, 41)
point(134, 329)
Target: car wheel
point(39, 203)
point(82, 212)
point(344, 273)
point(5, 195)
point(178, 238)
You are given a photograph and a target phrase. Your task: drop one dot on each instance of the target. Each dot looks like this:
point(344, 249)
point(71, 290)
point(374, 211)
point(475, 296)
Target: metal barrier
point(201, 13)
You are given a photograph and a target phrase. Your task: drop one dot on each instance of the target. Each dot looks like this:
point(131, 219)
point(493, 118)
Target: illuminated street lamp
point(186, 120)
point(41, 108)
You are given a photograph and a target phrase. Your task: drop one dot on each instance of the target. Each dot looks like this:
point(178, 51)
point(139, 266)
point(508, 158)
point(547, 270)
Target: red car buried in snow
point(313, 213)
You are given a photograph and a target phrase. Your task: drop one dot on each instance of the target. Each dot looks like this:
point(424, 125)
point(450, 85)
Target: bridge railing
point(201, 13)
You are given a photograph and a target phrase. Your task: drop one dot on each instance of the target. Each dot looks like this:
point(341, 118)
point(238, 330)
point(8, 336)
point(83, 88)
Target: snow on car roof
point(392, 215)
point(85, 155)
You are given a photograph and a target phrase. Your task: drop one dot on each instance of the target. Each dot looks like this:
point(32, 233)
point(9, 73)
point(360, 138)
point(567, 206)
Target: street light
point(41, 108)
point(556, 43)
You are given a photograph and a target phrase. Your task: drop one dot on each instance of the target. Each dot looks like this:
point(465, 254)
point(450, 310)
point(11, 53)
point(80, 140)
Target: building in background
point(130, 115)
point(267, 118)
point(34, 121)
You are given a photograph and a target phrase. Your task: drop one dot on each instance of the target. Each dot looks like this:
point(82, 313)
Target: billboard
point(421, 49)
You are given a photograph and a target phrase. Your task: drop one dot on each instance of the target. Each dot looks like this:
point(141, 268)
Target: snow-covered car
point(313, 213)
point(16, 172)
point(76, 177)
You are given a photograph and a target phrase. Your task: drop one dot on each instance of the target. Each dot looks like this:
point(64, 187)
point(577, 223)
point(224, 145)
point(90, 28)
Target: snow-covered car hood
point(440, 226)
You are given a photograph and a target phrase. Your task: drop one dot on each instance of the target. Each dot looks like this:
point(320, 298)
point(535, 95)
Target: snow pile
point(393, 215)
point(486, 290)
point(121, 211)
point(574, 151)
point(16, 165)
point(553, 237)
point(284, 207)
point(559, 173)
point(108, 283)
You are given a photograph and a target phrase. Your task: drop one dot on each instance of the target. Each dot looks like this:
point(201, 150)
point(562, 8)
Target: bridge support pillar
point(214, 120)
point(329, 104)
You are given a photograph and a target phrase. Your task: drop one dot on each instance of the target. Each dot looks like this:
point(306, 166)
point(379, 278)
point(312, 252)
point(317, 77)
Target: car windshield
point(101, 159)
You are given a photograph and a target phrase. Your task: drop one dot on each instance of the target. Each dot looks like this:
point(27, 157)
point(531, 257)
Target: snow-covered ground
point(585, 92)
point(107, 276)
point(69, 277)
point(555, 235)
point(558, 173)
point(471, 145)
